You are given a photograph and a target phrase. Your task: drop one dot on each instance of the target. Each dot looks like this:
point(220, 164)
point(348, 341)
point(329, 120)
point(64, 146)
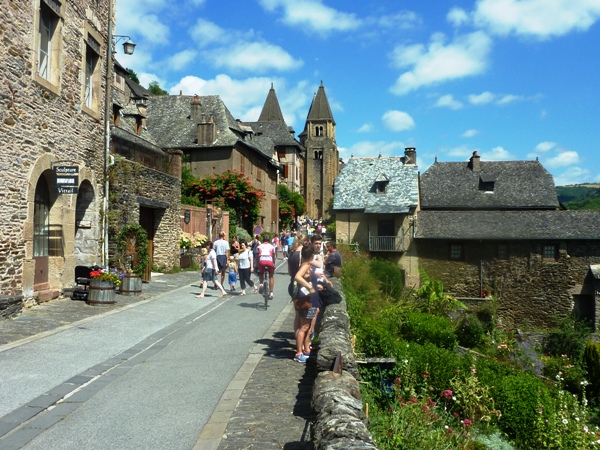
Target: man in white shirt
point(221, 247)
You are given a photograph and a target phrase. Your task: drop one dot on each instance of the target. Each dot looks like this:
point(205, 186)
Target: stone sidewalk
point(266, 405)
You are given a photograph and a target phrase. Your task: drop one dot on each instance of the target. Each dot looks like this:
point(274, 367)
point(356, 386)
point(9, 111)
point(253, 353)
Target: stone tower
point(322, 156)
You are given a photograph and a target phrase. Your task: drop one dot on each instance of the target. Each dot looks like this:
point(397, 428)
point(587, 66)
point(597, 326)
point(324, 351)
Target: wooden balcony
point(386, 244)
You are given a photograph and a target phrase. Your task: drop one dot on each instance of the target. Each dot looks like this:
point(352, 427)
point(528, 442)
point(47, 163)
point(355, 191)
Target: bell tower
point(322, 156)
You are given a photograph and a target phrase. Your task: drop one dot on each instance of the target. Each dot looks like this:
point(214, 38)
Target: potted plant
point(135, 236)
point(102, 286)
point(187, 243)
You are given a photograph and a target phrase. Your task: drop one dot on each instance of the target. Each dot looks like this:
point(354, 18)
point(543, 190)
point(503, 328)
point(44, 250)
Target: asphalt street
point(149, 375)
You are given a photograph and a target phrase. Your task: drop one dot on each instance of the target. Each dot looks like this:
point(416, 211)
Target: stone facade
point(49, 119)
point(532, 290)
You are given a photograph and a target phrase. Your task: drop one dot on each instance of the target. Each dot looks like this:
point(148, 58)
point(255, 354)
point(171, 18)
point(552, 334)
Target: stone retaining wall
point(336, 399)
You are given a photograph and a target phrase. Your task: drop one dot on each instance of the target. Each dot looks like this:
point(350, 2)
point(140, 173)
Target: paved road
point(167, 372)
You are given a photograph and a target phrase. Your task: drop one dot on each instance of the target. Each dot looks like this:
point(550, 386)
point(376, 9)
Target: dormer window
point(381, 183)
point(486, 183)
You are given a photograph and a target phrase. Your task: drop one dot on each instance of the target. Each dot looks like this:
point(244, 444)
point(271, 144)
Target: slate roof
point(517, 185)
point(319, 109)
point(508, 225)
point(170, 122)
point(355, 186)
point(278, 132)
point(271, 111)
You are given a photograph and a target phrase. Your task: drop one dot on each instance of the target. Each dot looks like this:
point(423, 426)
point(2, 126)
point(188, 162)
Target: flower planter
point(131, 284)
point(101, 292)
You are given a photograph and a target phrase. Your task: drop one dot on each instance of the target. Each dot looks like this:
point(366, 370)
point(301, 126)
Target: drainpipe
point(107, 115)
point(480, 269)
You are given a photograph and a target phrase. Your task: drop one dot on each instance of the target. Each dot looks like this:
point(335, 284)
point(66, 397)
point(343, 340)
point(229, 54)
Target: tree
point(231, 191)
point(291, 205)
point(156, 89)
point(133, 76)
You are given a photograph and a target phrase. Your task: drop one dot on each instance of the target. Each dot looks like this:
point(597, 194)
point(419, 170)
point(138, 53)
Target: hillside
point(579, 196)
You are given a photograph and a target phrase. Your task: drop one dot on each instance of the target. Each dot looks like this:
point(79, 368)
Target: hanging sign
point(66, 179)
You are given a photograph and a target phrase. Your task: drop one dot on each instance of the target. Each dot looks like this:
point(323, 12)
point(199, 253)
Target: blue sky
point(512, 79)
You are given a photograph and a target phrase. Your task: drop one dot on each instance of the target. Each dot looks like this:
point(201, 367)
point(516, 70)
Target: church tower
point(322, 156)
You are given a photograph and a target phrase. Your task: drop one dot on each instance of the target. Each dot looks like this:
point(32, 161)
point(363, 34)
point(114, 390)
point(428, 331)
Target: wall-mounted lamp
point(128, 46)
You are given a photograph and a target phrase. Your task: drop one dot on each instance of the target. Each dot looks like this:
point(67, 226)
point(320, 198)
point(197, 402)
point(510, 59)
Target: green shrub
point(568, 338)
point(390, 277)
point(520, 398)
point(375, 338)
point(422, 327)
point(469, 330)
point(571, 375)
point(591, 358)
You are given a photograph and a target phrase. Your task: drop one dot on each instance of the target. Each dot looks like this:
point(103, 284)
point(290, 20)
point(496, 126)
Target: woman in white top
point(210, 272)
point(245, 266)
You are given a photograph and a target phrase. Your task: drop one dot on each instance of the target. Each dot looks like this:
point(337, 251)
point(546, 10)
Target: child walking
point(232, 268)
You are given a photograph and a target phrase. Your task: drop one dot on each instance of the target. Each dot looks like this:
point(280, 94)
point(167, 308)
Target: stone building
point(375, 203)
point(497, 228)
point(52, 72)
point(322, 156)
point(212, 141)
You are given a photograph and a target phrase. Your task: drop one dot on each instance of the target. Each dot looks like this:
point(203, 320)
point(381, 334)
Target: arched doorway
point(41, 233)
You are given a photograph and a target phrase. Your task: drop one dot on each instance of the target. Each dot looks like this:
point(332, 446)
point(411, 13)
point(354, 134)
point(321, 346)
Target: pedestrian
point(211, 271)
point(294, 262)
point(284, 246)
point(275, 243)
point(234, 247)
point(265, 261)
point(245, 267)
point(333, 262)
point(305, 286)
point(222, 249)
point(233, 271)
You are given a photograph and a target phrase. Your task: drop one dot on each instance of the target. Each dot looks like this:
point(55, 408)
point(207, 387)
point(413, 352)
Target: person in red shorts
point(266, 261)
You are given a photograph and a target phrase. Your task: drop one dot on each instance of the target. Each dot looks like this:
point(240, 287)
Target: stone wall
point(336, 400)
point(531, 290)
point(43, 124)
point(132, 183)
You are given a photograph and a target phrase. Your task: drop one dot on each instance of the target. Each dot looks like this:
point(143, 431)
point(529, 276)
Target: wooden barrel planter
point(131, 284)
point(101, 292)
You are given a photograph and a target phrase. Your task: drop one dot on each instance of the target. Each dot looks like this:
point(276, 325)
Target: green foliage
point(132, 75)
point(470, 330)
point(591, 358)
point(390, 277)
point(231, 190)
point(568, 338)
point(519, 398)
point(291, 205)
point(570, 375)
point(156, 89)
point(579, 197)
point(242, 235)
point(430, 297)
point(134, 231)
point(423, 327)
point(469, 397)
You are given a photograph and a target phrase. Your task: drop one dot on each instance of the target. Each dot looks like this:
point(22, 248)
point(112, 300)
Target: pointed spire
point(271, 111)
point(320, 110)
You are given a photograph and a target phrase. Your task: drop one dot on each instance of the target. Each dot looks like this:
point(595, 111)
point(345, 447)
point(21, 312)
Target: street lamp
point(128, 48)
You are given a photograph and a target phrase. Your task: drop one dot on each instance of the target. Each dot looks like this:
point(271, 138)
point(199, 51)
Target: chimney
point(475, 162)
point(195, 108)
point(410, 156)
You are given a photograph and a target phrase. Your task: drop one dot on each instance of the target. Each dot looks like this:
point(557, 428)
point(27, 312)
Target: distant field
point(580, 196)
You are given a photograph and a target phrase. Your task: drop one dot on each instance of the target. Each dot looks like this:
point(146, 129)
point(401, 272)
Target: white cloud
point(141, 19)
point(205, 33)
point(366, 149)
point(365, 128)
point(245, 98)
point(398, 121)
point(254, 56)
point(462, 152)
point(563, 159)
point(448, 101)
point(481, 99)
point(457, 16)
point(404, 20)
point(542, 19)
point(573, 175)
point(312, 16)
point(545, 146)
point(146, 78)
point(497, 154)
point(439, 62)
point(509, 98)
point(182, 59)
point(470, 133)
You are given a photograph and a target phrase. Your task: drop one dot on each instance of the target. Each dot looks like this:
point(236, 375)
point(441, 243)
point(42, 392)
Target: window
point(41, 214)
point(456, 252)
point(381, 186)
point(242, 163)
point(502, 251)
point(91, 82)
point(286, 171)
point(550, 252)
point(48, 43)
point(319, 154)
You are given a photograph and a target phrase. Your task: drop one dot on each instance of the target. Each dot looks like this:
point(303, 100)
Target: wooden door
point(147, 223)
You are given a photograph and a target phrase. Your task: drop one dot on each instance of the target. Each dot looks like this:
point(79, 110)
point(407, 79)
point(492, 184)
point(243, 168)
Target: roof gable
point(499, 185)
point(354, 186)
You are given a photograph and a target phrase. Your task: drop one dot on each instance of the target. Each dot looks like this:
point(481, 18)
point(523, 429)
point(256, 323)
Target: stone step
point(46, 295)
